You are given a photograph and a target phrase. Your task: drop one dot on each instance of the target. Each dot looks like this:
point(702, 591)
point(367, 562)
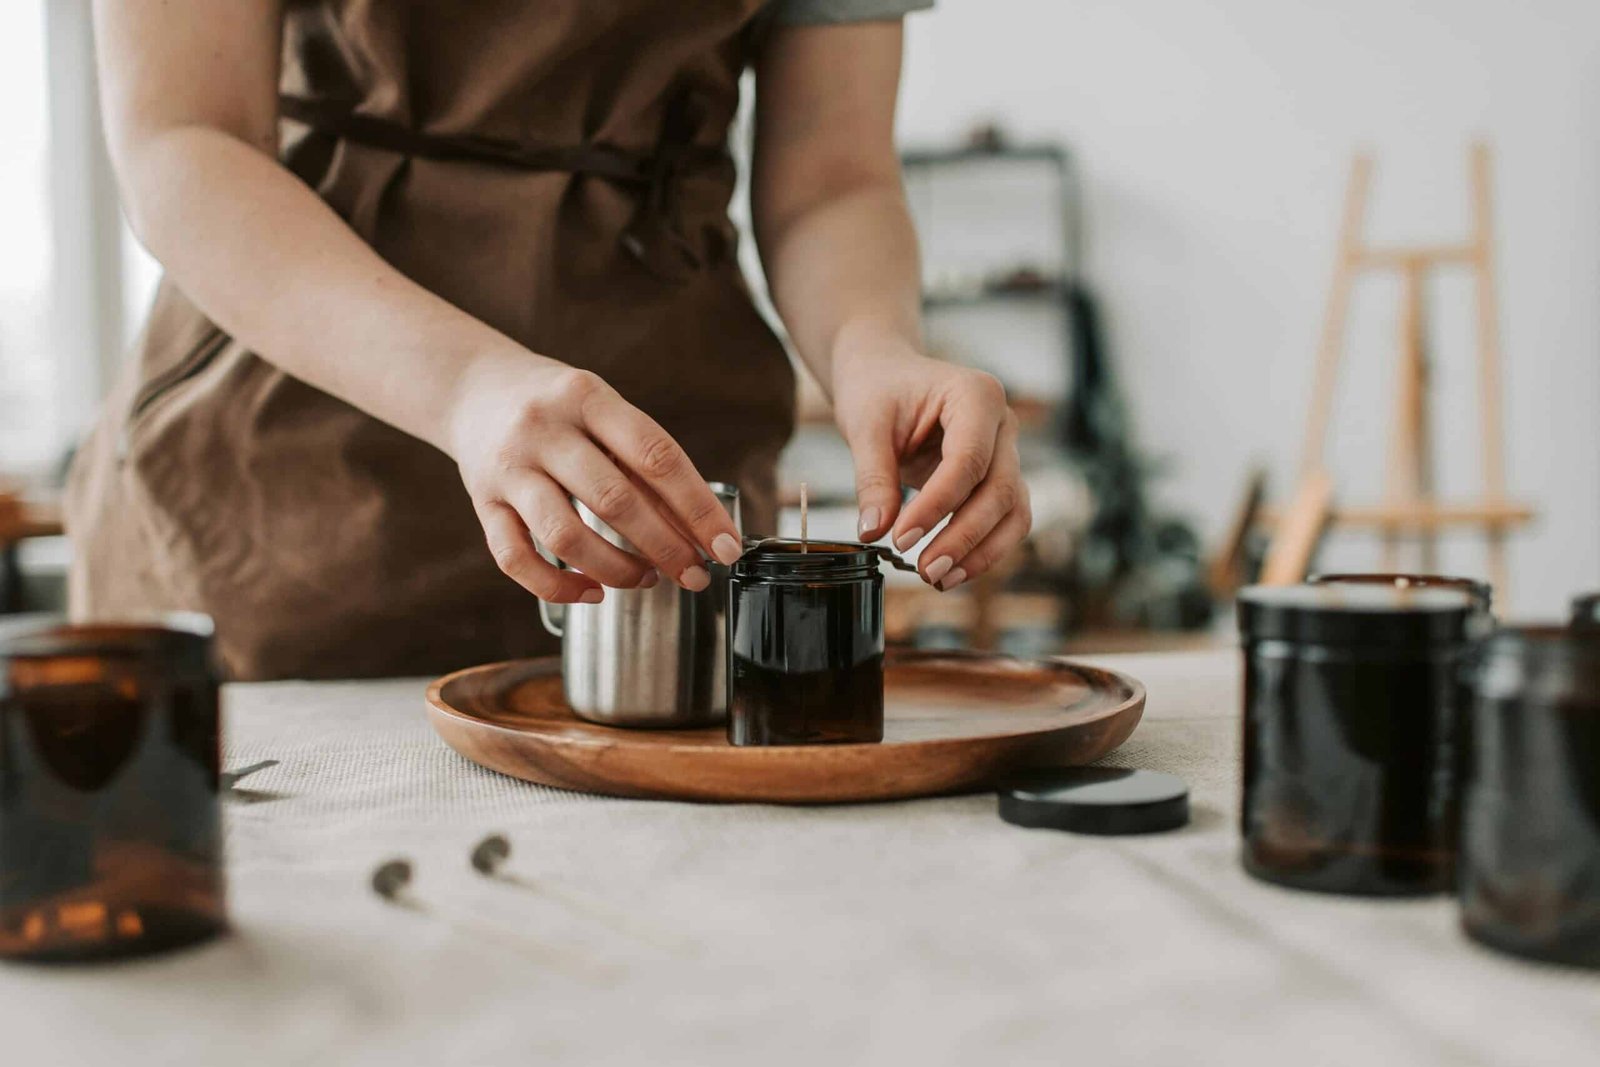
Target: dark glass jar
point(1351, 695)
point(1530, 799)
point(110, 835)
point(805, 645)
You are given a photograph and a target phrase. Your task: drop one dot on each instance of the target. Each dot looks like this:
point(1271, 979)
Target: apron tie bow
point(654, 237)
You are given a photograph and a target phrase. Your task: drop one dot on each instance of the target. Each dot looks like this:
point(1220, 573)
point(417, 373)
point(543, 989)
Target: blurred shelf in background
point(985, 292)
point(987, 145)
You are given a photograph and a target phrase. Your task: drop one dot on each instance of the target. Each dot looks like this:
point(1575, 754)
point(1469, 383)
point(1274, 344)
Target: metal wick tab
point(390, 880)
point(491, 852)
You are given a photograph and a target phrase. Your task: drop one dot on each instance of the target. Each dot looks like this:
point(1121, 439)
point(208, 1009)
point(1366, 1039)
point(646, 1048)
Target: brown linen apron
point(557, 169)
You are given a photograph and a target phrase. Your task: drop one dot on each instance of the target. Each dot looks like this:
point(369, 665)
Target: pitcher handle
point(552, 616)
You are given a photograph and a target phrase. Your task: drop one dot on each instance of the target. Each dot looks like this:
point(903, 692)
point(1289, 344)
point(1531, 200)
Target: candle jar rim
point(1356, 614)
point(140, 636)
point(780, 559)
point(1401, 580)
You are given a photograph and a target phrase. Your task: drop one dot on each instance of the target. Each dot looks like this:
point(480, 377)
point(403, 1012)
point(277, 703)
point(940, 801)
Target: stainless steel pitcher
point(647, 657)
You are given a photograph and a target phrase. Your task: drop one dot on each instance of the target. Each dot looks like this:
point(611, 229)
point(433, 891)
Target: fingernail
point(727, 550)
point(869, 520)
point(694, 579)
point(651, 577)
point(909, 538)
point(592, 596)
point(939, 568)
point(953, 579)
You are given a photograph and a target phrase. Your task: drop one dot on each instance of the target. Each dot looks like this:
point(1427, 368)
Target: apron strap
point(652, 237)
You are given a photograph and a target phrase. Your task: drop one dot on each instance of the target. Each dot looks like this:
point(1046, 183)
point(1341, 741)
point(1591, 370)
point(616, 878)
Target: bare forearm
point(844, 274)
point(273, 265)
point(841, 257)
point(190, 95)
point(827, 197)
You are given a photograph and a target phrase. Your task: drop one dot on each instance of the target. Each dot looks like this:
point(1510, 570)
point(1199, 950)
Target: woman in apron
point(434, 269)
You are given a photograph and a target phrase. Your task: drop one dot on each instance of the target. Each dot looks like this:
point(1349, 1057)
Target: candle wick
point(804, 547)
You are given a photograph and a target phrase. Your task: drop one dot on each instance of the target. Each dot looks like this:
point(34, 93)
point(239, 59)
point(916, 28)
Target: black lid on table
point(1355, 614)
point(1096, 800)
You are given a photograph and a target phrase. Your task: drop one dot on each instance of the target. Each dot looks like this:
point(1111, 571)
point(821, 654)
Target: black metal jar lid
point(1095, 800)
point(1355, 614)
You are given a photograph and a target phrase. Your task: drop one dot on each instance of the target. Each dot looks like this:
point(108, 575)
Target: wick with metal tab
point(392, 881)
point(489, 857)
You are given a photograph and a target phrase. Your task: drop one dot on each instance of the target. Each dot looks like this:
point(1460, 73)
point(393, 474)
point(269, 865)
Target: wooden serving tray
point(954, 722)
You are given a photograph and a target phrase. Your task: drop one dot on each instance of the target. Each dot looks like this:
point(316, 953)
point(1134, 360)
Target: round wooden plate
point(953, 722)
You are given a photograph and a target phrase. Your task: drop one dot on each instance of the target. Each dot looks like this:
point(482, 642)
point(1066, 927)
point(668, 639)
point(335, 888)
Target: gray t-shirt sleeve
point(819, 12)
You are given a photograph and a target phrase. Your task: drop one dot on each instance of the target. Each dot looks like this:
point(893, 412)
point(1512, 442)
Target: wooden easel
point(1410, 507)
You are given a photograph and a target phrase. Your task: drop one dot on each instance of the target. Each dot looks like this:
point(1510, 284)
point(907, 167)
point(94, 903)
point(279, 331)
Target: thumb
point(877, 481)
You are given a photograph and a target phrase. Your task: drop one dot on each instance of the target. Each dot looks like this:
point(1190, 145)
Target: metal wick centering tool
point(489, 857)
point(229, 779)
point(392, 881)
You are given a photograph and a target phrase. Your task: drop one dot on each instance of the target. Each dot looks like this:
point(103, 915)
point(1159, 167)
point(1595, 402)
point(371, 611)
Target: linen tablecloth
point(631, 932)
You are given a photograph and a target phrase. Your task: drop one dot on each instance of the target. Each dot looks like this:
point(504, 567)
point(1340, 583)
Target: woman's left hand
point(945, 430)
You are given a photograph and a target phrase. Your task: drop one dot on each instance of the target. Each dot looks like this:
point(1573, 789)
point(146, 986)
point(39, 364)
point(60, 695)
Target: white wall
point(1215, 139)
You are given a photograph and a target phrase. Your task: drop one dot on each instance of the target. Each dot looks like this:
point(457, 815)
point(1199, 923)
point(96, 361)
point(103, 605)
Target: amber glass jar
point(1530, 805)
point(1351, 695)
point(805, 645)
point(110, 836)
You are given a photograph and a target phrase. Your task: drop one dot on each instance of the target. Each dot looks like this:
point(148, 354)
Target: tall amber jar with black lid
point(1351, 699)
point(805, 645)
point(1530, 809)
point(110, 836)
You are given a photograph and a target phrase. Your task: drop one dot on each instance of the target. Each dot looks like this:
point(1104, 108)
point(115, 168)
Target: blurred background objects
point(1129, 213)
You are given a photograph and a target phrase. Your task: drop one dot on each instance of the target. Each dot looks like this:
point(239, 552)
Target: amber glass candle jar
point(1530, 804)
point(1351, 695)
point(805, 645)
point(110, 836)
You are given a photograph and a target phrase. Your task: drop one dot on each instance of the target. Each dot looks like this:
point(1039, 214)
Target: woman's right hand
point(530, 435)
